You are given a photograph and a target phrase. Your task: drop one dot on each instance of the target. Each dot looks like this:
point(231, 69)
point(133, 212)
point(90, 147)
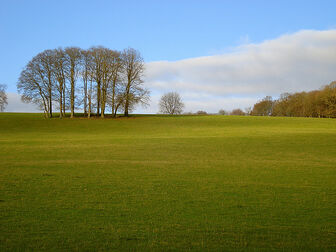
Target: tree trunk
point(50, 104)
point(89, 97)
point(103, 107)
point(64, 99)
point(116, 110)
point(85, 96)
point(127, 99)
point(89, 112)
point(103, 99)
point(113, 96)
point(126, 108)
point(60, 100)
point(72, 92)
point(98, 97)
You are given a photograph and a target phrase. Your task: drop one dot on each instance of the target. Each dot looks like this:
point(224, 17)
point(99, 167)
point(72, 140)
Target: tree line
point(316, 103)
point(95, 80)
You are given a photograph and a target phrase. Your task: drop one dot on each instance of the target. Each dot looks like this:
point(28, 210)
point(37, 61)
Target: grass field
point(167, 183)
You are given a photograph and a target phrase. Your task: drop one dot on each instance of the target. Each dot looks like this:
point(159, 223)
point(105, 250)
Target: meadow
point(167, 183)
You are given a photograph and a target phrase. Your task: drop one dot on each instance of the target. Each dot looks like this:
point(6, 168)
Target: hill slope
point(160, 182)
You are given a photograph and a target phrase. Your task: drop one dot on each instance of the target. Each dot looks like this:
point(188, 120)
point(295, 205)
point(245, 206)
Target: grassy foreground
point(167, 183)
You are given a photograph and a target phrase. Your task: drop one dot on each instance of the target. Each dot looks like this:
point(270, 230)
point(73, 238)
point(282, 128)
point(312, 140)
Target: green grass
point(167, 183)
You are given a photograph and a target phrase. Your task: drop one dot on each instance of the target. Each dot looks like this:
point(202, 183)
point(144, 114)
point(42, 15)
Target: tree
point(223, 112)
point(115, 88)
point(110, 72)
point(237, 112)
point(96, 66)
point(86, 61)
point(264, 107)
point(133, 69)
point(280, 106)
point(73, 58)
point(201, 112)
point(3, 97)
point(171, 103)
point(58, 64)
point(328, 97)
point(106, 70)
point(36, 82)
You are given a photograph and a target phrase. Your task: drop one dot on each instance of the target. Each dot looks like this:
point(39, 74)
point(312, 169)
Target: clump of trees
point(95, 80)
point(264, 107)
point(201, 112)
point(171, 103)
point(316, 103)
point(223, 112)
point(238, 112)
point(3, 97)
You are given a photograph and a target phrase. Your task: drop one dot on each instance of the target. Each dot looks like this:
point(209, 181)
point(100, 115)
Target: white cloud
point(301, 61)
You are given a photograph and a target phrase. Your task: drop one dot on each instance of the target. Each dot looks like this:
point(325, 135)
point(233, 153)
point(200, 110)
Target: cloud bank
point(301, 61)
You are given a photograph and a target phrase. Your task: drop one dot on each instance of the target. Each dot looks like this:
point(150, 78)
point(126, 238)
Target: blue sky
point(160, 30)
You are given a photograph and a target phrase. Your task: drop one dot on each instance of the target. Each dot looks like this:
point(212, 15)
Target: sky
point(216, 54)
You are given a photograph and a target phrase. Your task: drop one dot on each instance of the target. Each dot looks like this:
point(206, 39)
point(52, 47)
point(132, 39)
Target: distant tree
point(328, 97)
point(280, 106)
point(223, 112)
point(171, 103)
point(296, 104)
point(316, 103)
point(3, 97)
point(264, 107)
point(201, 112)
point(238, 112)
point(188, 113)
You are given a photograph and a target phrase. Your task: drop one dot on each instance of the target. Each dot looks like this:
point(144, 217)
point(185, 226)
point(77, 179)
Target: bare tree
point(73, 58)
point(45, 61)
point(115, 89)
point(59, 73)
point(96, 72)
point(110, 72)
point(171, 103)
point(36, 82)
point(90, 91)
point(86, 61)
point(133, 69)
point(3, 97)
